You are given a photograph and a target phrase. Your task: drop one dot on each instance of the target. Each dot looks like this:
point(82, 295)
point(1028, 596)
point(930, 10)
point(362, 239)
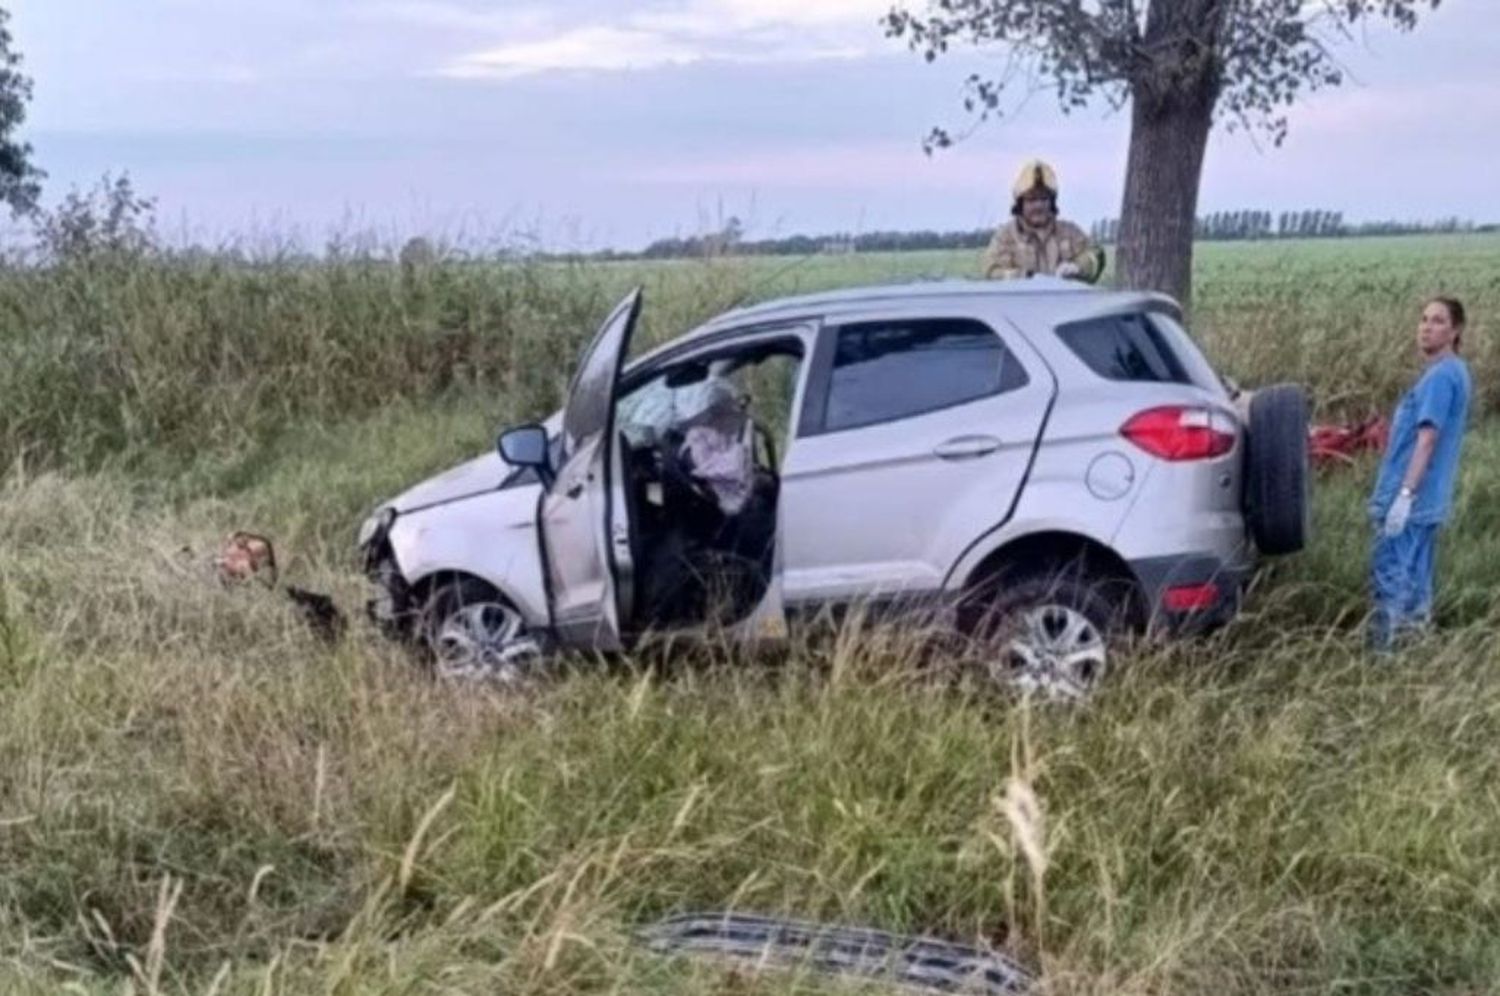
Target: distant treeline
point(1219, 226)
point(803, 245)
point(1229, 226)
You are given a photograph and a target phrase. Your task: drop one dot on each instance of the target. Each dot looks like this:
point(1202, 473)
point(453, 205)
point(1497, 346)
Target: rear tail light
point(1181, 433)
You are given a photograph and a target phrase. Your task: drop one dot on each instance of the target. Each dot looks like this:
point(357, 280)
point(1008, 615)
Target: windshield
point(645, 413)
point(650, 410)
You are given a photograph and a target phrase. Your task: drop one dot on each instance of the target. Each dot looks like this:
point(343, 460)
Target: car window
point(1125, 347)
point(1187, 350)
point(892, 370)
point(771, 385)
point(765, 377)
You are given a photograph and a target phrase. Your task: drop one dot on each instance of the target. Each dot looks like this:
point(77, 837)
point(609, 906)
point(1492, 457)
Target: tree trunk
point(1173, 93)
point(1168, 138)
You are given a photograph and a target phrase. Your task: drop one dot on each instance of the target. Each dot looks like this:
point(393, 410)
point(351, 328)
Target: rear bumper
point(1213, 588)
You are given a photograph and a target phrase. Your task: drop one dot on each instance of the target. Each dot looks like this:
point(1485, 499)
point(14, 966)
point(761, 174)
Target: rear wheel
point(1054, 634)
point(1276, 470)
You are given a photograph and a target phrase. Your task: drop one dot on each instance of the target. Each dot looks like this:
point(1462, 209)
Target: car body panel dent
point(491, 536)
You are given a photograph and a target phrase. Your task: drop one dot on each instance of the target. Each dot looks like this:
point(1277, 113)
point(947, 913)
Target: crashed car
point(1045, 465)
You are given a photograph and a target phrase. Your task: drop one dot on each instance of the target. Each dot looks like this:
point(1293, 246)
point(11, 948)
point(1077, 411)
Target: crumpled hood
point(473, 477)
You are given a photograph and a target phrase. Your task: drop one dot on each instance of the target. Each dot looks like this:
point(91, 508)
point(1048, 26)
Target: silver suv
point(1040, 464)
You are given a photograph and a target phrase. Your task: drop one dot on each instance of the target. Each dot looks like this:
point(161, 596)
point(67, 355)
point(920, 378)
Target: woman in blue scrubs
point(1414, 491)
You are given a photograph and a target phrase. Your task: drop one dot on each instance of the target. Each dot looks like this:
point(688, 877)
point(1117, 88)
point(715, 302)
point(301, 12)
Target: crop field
point(197, 795)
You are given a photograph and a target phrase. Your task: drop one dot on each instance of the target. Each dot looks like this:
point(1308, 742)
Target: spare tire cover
point(1276, 470)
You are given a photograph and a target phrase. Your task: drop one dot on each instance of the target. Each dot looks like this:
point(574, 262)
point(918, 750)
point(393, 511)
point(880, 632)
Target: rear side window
point(1125, 347)
point(892, 370)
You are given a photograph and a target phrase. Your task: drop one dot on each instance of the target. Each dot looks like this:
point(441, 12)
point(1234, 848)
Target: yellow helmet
point(1035, 174)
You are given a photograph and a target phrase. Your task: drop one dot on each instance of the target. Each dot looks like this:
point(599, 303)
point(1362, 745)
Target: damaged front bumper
point(391, 607)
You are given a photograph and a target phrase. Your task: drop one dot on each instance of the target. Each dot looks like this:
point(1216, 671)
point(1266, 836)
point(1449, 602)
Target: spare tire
point(1276, 470)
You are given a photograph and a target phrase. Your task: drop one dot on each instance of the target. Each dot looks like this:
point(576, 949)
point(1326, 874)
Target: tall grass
point(1246, 814)
point(149, 360)
point(138, 359)
point(198, 796)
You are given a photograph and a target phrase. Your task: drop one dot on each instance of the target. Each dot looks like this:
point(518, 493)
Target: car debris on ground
point(1339, 445)
point(247, 557)
point(916, 964)
point(1329, 444)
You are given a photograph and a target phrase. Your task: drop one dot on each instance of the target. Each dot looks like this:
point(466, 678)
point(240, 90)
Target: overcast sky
point(611, 122)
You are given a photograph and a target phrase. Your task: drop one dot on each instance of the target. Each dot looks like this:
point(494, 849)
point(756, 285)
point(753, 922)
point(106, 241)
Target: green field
point(196, 795)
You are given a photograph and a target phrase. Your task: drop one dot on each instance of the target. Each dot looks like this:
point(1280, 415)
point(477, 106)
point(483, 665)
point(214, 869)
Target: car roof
point(1057, 299)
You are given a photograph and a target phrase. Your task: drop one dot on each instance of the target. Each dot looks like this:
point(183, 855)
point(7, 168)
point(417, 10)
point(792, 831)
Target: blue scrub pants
point(1401, 574)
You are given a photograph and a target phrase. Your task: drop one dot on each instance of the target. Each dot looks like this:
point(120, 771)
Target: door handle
point(967, 447)
point(575, 490)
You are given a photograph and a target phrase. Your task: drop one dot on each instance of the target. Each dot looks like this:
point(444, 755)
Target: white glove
point(1070, 271)
point(1399, 514)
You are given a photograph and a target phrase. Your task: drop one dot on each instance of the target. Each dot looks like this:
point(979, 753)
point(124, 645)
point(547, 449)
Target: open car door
point(585, 522)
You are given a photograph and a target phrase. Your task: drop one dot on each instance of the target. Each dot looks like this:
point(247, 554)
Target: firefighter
point(1036, 240)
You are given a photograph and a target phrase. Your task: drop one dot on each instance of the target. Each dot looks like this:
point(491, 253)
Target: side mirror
point(526, 446)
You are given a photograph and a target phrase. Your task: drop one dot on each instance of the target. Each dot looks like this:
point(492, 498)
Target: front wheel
point(1049, 634)
point(471, 632)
